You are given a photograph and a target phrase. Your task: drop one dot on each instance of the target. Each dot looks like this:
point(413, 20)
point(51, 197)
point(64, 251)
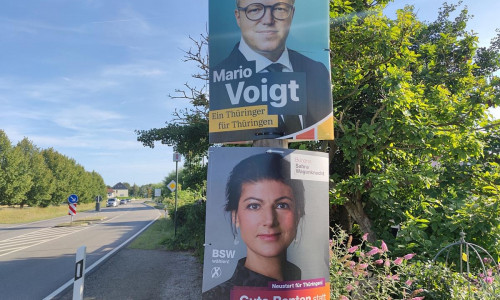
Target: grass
point(11, 215)
point(82, 222)
point(154, 237)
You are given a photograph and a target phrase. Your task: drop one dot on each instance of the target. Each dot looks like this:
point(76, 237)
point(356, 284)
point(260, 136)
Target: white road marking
point(38, 237)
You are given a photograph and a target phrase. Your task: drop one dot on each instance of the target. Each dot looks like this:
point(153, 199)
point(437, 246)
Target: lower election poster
point(267, 225)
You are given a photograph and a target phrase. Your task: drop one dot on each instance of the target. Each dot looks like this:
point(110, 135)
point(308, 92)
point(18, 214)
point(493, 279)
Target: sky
point(80, 76)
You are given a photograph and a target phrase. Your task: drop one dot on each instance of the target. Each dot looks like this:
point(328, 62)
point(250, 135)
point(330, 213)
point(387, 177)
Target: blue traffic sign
point(73, 199)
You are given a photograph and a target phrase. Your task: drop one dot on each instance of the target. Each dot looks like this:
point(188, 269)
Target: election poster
point(269, 71)
point(267, 230)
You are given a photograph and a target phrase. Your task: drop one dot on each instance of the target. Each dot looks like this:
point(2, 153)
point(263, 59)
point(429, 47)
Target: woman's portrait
point(263, 208)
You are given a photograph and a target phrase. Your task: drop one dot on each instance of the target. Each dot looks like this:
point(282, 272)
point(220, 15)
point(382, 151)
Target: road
point(37, 259)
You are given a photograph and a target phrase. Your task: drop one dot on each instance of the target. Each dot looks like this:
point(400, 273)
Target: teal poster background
point(309, 33)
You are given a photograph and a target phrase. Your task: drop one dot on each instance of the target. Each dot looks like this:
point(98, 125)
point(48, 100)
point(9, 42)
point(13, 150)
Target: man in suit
point(265, 25)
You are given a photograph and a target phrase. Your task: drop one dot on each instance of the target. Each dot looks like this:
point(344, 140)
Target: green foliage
point(438, 282)
point(15, 180)
point(414, 140)
point(190, 227)
point(39, 173)
point(367, 272)
point(34, 177)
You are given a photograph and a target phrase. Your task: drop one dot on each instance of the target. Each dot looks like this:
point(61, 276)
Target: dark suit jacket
point(244, 277)
point(319, 97)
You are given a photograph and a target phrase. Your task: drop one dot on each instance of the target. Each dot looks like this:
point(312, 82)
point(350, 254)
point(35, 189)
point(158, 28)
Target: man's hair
point(238, 2)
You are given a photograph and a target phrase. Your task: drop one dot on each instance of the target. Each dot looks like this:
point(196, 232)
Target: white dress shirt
point(261, 63)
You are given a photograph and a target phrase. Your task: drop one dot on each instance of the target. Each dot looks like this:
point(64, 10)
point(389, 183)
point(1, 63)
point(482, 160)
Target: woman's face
point(266, 217)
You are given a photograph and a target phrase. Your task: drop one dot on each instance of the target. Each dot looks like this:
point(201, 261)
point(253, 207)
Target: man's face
point(266, 36)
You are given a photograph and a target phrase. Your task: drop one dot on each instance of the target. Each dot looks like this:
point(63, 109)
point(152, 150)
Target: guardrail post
point(79, 273)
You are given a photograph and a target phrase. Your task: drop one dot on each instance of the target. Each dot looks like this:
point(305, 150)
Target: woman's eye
point(253, 206)
point(283, 205)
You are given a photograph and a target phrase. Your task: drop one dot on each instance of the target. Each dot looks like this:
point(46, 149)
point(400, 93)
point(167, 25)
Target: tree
point(15, 181)
point(410, 101)
point(40, 175)
point(188, 131)
point(133, 191)
point(64, 175)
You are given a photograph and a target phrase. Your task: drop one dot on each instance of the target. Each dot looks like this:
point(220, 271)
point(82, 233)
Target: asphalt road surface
point(37, 259)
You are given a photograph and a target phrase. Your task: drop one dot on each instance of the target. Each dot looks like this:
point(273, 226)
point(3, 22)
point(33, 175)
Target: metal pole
point(176, 188)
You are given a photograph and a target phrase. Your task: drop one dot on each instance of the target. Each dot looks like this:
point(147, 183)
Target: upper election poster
point(269, 70)
point(267, 231)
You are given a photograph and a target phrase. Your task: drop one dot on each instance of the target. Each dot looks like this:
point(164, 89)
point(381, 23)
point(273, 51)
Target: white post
point(79, 273)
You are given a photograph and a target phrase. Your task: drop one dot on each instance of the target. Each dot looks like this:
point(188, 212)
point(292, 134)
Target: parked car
point(123, 201)
point(112, 202)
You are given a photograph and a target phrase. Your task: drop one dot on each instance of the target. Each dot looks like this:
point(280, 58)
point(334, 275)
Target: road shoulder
point(144, 274)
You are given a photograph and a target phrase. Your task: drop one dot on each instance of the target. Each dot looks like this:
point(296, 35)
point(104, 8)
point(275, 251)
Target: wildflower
point(393, 277)
point(408, 282)
point(398, 261)
point(363, 266)
point(379, 261)
point(384, 247)
point(409, 256)
point(374, 251)
point(387, 263)
point(489, 280)
point(352, 249)
point(343, 298)
point(418, 298)
point(365, 236)
point(349, 288)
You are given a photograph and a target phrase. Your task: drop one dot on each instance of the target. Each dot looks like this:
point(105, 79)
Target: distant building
point(111, 193)
point(120, 190)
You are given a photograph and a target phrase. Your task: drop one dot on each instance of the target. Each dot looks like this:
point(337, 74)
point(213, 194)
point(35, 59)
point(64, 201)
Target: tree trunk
point(340, 216)
point(355, 209)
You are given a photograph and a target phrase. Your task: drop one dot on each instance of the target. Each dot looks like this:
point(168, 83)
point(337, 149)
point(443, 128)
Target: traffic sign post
point(177, 159)
point(172, 185)
point(72, 200)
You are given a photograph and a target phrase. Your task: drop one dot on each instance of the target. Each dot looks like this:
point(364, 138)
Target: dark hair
point(265, 166)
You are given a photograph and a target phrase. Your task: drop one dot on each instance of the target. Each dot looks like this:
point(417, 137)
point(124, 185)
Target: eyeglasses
point(256, 11)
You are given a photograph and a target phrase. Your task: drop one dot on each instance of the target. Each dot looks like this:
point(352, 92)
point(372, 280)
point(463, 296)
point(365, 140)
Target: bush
point(439, 282)
point(365, 271)
point(190, 228)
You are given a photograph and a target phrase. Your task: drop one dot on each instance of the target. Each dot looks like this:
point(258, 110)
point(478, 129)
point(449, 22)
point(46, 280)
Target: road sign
point(157, 192)
point(172, 185)
point(73, 198)
point(72, 209)
point(177, 157)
